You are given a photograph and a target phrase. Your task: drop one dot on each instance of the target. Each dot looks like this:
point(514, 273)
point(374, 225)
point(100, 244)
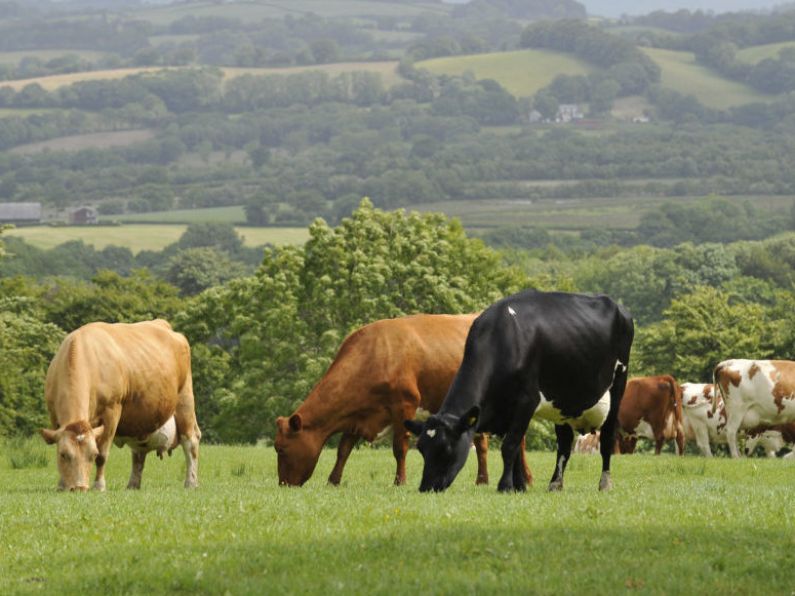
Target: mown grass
point(755, 54)
point(681, 73)
point(521, 72)
point(138, 237)
point(671, 525)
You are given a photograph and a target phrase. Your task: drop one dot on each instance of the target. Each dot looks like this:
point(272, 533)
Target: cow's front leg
point(110, 421)
point(400, 445)
point(514, 441)
point(347, 443)
point(481, 442)
point(565, 440)
point(138, 460)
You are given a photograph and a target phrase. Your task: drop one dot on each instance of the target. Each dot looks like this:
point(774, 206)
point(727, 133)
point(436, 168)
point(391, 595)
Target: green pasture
point(138, 237)
point(571, 214)
point(670, 526)
point(681, 73)
point(234, 215)
point(253, 10)
point(521, 72)
point(755, 54)
point(13, 58)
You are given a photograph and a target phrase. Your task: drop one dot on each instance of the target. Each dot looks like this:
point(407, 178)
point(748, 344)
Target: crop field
point(144, 237)
point(681, 73)
point(387, 69)
point(96, 140)
point(756, 54)
point(233, 215)
point(521, 72)
point(254, 10)
point(670, 526)
point(13, 58)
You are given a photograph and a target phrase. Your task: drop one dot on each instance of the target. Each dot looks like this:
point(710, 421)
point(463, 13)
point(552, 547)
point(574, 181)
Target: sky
point(615, 8)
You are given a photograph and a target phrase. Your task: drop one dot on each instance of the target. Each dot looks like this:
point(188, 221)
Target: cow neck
point(67, 412)
point(324, 412)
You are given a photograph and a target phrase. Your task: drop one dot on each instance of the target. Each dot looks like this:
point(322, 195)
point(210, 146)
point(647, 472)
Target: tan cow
point(651, 408)
point(122, 381)
point(383, 373)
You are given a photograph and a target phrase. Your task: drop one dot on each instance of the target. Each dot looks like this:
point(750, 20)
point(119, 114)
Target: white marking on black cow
point(511, 311)
point(589, 420)
point(431, 432)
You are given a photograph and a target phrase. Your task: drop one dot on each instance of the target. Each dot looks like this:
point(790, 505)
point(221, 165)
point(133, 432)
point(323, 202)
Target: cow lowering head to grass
point(560, 356)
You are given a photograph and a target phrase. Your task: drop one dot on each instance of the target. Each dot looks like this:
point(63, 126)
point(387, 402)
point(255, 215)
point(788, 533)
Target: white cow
point(701, 422)
point(756, 393)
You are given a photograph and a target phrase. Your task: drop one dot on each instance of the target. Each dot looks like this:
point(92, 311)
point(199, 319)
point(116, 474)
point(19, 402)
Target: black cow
point(554, 354)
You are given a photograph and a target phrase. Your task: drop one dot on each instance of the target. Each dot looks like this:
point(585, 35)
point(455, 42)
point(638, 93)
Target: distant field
point(144, 237)
point(22, 112)
point(570, 214)
point(681, 73)
point(251, 11)
point(756, 54)
point(97, 140)
point(387, 70)
point(233, 215)
point(521, 72)
point(13, 58)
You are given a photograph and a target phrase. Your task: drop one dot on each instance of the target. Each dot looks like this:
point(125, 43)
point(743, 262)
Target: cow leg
point(528, 474)
point(659, 441)
point(514, 438)
point(110, 420)
point(702, 440)
point(680, 441)
point(607, 437)
point(565, 437)
point(400, 446)
point(347, 443)
point(188, 432)
point(138, 460)
point(732, 427)
point(481, 442)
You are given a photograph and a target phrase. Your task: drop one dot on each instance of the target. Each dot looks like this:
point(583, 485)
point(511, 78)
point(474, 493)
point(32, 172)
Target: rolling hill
point(756, 54)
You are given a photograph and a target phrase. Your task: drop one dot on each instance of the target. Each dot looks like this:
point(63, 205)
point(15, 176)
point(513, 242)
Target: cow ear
point(296, 423)
point(414, 427)
point(98, 431)
point(468, 421)
point(49, 436)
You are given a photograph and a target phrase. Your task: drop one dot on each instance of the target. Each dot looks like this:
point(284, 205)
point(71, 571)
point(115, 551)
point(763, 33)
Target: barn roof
point(20, 211)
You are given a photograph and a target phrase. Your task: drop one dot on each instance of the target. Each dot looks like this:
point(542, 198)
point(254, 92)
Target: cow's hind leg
point(607, 436)
point(189, 433)
point(138, 460)
point(347, 443)
point(565, 439)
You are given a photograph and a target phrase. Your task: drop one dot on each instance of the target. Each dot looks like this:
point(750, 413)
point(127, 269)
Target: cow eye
point(65, 456)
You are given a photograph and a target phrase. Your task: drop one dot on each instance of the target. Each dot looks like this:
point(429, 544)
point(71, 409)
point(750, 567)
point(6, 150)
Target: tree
point(194, 270)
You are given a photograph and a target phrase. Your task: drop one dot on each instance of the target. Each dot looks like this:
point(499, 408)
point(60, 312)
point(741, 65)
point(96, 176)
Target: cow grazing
point(560, 356)
point(756, 393)
point(773, 440)
point(382, 374)
point(588, 443)
point(125, 382)
point(701, 423)
point(651, 408)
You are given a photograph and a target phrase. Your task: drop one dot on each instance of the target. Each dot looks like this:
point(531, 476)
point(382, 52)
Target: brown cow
point(651, 408)
point(122, 381)
point(383, 373)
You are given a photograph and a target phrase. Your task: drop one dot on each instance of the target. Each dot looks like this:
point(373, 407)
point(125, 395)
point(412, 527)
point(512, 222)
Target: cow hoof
point(505, 488)
point(481, 480)
point(99, 486)
point(556, 486)
point(605, 483)
point(191, 484)
point(133, 487)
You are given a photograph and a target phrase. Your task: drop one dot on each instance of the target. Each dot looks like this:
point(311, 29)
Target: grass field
point(756, 54)
point(670, 526)
point(13, 58)
point(681, 73)
point(96, 140)
point(253, 10)
point(144, 237)
point(233, 215)
point(521, 72)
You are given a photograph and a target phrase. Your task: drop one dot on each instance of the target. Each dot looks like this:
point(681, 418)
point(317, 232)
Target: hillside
point(521, 72)
point(756, 54)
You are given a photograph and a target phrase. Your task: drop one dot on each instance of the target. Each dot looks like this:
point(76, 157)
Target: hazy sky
point(615, 8)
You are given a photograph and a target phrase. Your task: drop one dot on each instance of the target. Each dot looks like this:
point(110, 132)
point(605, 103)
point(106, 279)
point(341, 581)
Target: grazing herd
point(448, 379)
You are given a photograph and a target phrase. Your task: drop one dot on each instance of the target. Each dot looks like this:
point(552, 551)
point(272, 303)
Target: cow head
point(297, 451)
point(444, 445)
point(76, 451)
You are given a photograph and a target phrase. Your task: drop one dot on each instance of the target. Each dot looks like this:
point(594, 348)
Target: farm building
point(20, 213)
point(83, 216)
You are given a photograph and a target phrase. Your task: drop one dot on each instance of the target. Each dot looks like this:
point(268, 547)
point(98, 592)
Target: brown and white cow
point(128, 382)
point(756, 393)
point(587, 443)
point(382, 375)
point(651, 408)
point(702, 423)
point(773, 439)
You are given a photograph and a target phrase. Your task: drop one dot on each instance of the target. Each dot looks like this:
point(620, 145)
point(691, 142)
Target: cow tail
point(717, 387)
